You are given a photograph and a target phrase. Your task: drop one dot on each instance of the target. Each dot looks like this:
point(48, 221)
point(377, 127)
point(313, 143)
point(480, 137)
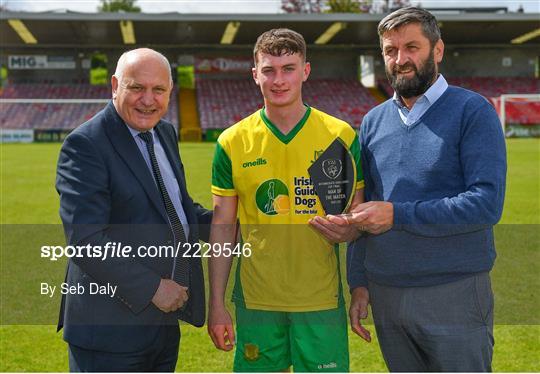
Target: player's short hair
point(277, 42)
point(405, 16)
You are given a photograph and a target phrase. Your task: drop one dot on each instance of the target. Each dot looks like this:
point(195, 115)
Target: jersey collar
point(290, 136)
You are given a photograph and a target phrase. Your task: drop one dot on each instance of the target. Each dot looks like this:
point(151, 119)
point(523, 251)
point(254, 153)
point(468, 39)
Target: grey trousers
point(447, 327)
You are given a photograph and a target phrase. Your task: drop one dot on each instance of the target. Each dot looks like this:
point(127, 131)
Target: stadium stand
point(526, 113)
point(520, 111)
point(497, 86)
point(55, 91)
point(63, 116)
point(46, 116)
point(66, 56)
point(223, 102)
point(346, 99)
point(385, 87)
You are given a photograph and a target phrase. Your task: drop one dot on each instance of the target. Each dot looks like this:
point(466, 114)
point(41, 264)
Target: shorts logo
point(330, 365)
point(251, 352)
point(272, 197)
point(332, 168)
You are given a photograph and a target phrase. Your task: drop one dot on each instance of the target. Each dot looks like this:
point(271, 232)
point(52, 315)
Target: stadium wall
point(77, 74)
point(327, 62)
point(489, 62)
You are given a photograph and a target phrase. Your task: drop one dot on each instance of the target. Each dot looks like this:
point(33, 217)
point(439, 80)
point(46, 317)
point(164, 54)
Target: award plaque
point(334, 177)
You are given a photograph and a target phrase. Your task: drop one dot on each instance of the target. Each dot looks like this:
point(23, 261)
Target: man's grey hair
point(133, 54)
point(408, 15)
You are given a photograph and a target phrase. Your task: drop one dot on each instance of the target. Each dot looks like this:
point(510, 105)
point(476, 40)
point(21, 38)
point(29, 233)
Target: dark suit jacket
point(108, 194)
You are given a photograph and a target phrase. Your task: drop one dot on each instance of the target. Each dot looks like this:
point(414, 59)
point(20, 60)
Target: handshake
point(374, 217)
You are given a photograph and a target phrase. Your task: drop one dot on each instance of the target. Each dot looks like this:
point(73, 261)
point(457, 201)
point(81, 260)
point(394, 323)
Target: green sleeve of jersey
point(222, 169)
point(355, 150)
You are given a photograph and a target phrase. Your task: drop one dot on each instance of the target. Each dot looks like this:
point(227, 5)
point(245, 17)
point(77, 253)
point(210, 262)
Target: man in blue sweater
point(435, 166)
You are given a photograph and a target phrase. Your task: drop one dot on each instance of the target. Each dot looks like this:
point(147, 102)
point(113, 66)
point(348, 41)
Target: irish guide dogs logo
point(332, 168)
point(272, 197)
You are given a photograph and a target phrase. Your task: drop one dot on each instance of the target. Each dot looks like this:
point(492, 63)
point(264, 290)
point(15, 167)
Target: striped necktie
point(181, 265)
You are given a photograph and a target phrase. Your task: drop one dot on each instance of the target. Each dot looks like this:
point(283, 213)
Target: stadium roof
point(111, 30)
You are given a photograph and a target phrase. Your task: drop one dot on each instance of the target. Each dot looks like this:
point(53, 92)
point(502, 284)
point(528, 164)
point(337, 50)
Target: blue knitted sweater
point(445, 175)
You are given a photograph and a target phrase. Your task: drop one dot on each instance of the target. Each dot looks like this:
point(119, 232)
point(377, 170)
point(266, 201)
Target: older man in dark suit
point(121, 181)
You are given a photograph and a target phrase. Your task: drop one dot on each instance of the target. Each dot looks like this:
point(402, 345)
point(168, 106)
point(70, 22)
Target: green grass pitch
point(27, 197)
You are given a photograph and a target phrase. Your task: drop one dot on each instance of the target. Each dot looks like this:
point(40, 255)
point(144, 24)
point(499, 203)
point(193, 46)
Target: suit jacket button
point(169, 241)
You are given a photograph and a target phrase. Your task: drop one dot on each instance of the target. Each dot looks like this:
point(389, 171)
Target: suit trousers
point(445, 328)
point(160, 356)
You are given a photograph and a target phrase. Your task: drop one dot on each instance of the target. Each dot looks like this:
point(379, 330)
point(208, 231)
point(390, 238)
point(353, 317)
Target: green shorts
point(307, 341)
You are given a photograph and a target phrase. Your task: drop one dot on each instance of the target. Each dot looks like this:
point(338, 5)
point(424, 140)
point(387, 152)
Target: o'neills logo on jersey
point(257, 162)
point(272, 197)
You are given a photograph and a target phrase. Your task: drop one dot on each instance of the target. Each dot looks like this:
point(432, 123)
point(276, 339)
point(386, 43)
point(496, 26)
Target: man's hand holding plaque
point(334, 178)
point(375, 217)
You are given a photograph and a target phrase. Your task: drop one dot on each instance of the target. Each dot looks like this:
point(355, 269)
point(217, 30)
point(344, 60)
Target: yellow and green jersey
point(291, 267)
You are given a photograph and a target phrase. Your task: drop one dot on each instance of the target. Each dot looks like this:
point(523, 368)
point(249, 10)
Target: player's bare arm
point(358, 311)
point(220, 326)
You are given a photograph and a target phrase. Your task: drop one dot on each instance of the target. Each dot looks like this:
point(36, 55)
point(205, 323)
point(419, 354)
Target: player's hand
point(374, 217)
point(170, 296)
point(359, 310)
point(334, 228)
point(220, 328)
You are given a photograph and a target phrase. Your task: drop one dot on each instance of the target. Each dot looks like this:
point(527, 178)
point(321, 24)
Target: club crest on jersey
point(316, 155)
point(332, 168)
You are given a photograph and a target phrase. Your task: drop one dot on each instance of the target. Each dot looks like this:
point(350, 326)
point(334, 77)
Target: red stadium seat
point(346, 99)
